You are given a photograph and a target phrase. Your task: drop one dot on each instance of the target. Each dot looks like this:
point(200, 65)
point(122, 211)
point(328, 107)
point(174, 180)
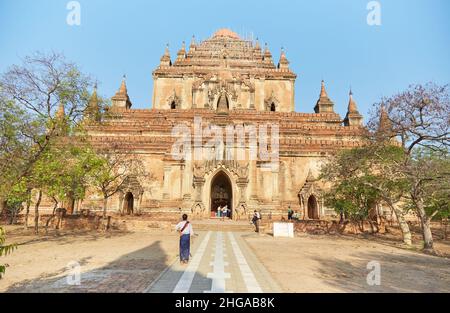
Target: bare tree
point(44, 86)
point(419, 120)
point(44, 99)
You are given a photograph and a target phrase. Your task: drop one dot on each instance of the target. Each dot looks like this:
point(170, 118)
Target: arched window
point(272, 107)
point(173, 105)
point(313, 208)
point(223, 104)
point(128, 204)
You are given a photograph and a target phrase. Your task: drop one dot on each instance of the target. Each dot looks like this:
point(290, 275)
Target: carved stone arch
point(174, 102)
point(271, 103)
point(198, 210)
point(310, 197)
point(242, 211)
point(232, 166)
point(221, 190)
point(223, 103)
point(130, 195)
point(213, 167)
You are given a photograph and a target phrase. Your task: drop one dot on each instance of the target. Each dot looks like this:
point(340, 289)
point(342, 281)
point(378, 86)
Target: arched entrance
point(313, 208)
point(221, 193)
point(223, 104)
point(128, 203)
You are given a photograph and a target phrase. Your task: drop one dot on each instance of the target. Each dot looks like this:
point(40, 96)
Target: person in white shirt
point(185, 229)
point(224, 212)
point(256, 220)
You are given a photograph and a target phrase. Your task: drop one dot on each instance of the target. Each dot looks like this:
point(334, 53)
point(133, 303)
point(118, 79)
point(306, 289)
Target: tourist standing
point(185, 229)
point(219, 211)
point(256, 220)
point(224, 212)
point(290, 213)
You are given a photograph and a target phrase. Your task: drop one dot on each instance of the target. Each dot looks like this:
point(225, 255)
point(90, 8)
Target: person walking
point(185, 230)
point(290, 213)
point(256, 220)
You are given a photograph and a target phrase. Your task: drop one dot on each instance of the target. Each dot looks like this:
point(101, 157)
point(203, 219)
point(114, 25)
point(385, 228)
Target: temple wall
point(282, 90)
point(170, 186)
point(165, 88)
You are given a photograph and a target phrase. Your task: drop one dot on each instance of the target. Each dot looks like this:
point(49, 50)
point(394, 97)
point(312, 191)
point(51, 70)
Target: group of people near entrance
point(224, 212)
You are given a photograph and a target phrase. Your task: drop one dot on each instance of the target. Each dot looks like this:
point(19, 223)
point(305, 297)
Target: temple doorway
point(221, 194)
point(128, 203)
point(313, 208)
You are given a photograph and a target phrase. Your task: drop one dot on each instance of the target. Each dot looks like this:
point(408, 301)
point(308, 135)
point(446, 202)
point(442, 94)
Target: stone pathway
point(222, 262)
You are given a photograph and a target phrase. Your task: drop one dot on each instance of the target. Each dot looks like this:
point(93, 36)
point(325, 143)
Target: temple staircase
point(225, 226)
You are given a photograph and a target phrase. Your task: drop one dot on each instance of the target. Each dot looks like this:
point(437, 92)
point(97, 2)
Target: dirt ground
point(135, 259)
point(309, 263)
point(130, 261)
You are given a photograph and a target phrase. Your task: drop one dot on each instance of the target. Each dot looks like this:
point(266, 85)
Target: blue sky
point(323, 39)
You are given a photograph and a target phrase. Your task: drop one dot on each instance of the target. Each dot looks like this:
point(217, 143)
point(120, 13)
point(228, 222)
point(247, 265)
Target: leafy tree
point(42, 102)
point(14, 146)
point(113, 168)
point(353, 199)
point(4, 250)
point(364, 176)
point(33, 97)
point(63, 173)
point(17, 196)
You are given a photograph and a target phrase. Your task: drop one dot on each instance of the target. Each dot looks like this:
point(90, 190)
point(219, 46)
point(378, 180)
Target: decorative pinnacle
point(323, 92)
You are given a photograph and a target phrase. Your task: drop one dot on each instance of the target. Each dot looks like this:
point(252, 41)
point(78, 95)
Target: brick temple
point(225, 81)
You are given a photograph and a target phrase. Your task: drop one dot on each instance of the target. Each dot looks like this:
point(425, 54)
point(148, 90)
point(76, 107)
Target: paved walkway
point(221, 262)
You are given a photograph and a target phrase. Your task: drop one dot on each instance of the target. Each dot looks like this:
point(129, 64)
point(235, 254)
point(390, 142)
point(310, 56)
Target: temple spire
point(181, 55)
point(267, 55)
point(60, 113)
point(385, 129)
point(385, 123)
point(353, 118)
point(165, 59)
point(193, 43)
point(323, 92)
point(93, 109)
point(351, 103)
point(61, 121)
point(121, 98)
point(123, 86)
point(283, 64)
point(324, 104)
point(257, 46)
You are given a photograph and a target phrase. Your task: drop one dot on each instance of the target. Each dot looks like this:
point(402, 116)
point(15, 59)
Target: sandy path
point(129, 262)
point(336, 264)
point(123, 262)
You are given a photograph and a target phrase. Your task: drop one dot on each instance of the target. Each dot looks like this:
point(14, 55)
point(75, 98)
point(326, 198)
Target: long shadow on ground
point(133, 272)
